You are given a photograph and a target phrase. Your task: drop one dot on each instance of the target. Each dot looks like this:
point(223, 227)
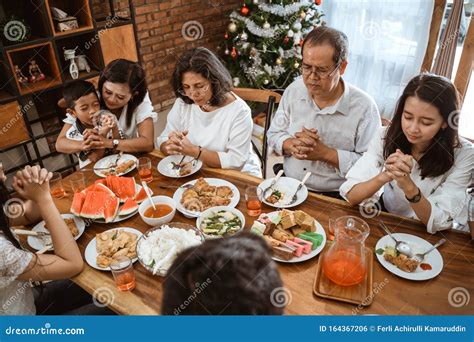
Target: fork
point(272, 184)
point(295, 197)
point(177, 166)
point(421, 256)
point(185, 186)
point(113, 166)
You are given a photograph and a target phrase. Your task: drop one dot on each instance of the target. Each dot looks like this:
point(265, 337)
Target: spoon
point(148, 194)
point(400, 246)
point(421, 256)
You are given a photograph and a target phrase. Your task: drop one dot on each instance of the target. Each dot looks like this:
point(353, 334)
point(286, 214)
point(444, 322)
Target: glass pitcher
point(344, 262)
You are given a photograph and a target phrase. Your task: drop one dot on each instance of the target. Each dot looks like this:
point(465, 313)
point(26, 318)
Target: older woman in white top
point(208, 121)
point(419, 163)
point(123, 91)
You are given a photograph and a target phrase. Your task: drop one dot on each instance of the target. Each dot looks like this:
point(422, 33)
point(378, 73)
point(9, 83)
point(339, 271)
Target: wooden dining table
point(394, 295)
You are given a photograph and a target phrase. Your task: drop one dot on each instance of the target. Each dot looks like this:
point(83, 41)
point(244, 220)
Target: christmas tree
point(262, 45)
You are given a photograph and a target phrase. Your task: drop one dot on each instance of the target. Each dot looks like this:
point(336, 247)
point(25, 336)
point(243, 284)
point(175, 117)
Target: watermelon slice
point(77, 203)
point(94, 204)
point(98, 187)
point(101, 181)
point(141, 195)
point(111, 208)
point(123, 187)
point(128, 207)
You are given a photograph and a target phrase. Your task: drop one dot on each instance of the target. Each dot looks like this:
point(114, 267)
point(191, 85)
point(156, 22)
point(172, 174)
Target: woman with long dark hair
point(123, 91)
point(419, 163)
point(208, 121)
point(19, 268)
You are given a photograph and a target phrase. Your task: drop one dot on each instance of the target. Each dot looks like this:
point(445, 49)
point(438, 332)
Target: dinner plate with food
point(116, 165)
point(404, 266)
point(101, 250)
point(294, 236)
point(178, 166)
point(198, 195)
point(158, 247)
point(280, 195)
point(75, 224)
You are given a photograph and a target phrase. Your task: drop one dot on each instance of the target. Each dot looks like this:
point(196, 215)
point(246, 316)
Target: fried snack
point(115, 243)
point(202, 196)
point(122, 167)
point(402, 262)
point(282, 235)
point(305, 221)
point(288, 219)
point(71, 225)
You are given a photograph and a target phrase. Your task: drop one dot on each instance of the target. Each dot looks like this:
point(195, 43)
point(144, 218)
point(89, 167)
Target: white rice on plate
point(161, 246)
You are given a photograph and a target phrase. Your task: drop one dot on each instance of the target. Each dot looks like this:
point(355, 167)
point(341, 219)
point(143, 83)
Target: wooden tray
point(361, 294)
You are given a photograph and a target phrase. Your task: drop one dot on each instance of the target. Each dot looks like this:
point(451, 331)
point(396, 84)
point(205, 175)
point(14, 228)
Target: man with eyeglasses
point(323, 124)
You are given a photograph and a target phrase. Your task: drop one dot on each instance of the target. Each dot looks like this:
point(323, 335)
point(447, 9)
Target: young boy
point(85, 123)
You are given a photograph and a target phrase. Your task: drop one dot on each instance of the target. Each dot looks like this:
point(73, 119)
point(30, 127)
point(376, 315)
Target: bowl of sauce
point(164, 211)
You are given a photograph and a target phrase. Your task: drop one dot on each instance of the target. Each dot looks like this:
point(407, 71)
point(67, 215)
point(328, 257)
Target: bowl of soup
point(164, 212)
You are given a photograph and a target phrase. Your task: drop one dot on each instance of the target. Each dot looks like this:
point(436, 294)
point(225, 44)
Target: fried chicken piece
point(193, 204)
point(208, 191)
point(188, 194)
point(200, 184)
point(224, 191)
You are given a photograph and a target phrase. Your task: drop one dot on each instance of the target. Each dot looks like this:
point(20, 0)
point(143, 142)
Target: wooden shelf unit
point(46, 46)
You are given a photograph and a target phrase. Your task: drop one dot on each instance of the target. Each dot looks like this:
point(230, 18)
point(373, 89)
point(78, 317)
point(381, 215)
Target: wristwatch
point(416, 198)
point(115, 143)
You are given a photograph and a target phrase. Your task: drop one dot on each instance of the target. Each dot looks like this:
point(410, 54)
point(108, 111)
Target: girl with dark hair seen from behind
point(208, 121)
point(19, 267)
point(123, 91)
point(419, 163)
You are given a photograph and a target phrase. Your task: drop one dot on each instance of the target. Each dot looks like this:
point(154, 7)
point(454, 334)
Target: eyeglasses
point(307, 70)
point(198, 89)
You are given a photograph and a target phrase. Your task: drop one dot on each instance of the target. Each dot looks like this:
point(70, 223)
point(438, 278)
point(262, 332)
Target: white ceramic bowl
point(157, 200)
point(208, 212)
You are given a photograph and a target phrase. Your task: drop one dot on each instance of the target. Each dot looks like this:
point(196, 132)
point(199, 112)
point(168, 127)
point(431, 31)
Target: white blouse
point(16, 297)
point(227, 130)
point(144, 111)
point(446, 193)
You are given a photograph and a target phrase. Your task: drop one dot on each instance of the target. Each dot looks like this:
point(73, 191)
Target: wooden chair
point(269, 97)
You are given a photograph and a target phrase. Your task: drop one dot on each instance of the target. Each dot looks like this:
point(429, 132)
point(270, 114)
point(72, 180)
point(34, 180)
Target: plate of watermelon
point(109, 200)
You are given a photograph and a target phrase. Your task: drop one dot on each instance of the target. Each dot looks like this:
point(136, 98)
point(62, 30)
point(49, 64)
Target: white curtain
point(387, 43)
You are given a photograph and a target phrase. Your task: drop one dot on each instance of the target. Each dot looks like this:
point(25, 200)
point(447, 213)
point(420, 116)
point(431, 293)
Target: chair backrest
point(269, 97)
point(13, 129)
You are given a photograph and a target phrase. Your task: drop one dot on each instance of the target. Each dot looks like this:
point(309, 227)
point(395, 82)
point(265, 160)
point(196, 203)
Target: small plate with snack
point(110, 244)
point(281, 193)
point(198, 195)
point(404, 266)
point(75, 224)
point(294, 236)
point(178, 166)
point(115, 165)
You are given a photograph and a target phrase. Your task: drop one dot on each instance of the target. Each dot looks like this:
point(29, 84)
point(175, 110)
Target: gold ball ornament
point(232, 27)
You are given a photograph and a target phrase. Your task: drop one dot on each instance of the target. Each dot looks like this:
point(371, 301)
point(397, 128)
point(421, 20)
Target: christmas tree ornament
point(302, 15)
point(290, 33)
point(226, 36)
point(233, 54)
point(265, 81)
point(226, 51)
point(279, 61)
point(244, 36)
point(296, 65)
point(236, 81)
point(317, 2)
point(286, 40)
point(232, 27)
point(255, 2)
point(266, 25)
point(297, 26)
point(244, 10)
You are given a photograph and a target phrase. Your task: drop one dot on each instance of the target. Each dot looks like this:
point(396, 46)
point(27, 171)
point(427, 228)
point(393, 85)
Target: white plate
point(165, 166)
point(121, 218)
point(418, 245)
point(212, 181)
point(303, 257)
point(110, 160)
point(37, 243)
point(287, 186)
point(90, 254)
